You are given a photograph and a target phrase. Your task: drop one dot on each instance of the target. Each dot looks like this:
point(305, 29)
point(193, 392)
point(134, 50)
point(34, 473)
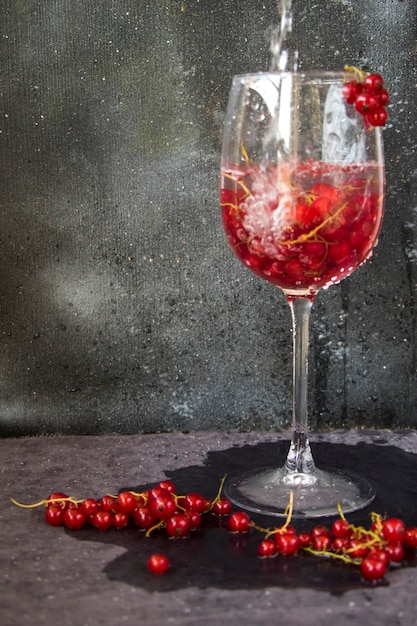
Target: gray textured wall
point(122, 308)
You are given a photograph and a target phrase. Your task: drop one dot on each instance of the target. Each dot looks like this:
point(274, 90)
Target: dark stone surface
point(122, 309)
point(49, 575)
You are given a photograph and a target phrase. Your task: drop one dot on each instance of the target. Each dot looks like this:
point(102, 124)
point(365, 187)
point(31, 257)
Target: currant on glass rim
point(367, 93)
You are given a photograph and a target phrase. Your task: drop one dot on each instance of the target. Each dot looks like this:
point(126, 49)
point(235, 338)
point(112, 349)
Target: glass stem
point(300, 459)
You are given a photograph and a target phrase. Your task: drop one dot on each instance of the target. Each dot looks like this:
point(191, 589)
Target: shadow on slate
point(213, 557)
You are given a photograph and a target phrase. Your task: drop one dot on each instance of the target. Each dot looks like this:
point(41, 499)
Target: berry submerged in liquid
point(302, 226)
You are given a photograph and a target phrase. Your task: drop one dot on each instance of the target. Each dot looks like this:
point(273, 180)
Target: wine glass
point(301, 194)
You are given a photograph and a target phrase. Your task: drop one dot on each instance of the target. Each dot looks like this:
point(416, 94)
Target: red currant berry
point(89, 506)
point(393, 529)
point(373, 569)
point(162, 507)
point(194, 517)
point(196, 502)
point(158, 491)
point(222, 506)
point(267, 548)
point(383, 97)
point(102, 520)
point(177, 526)
point(395, 551)
point(365, 537)
point(351, 91)
point(287, 543)
point(305, 540)
point(293, 268)
point(366, 102)
point(357, 548)
point(120, 519)
point(377, 118)
point(341, 544)
point(376, 527)
point(58, 499)
point(168, 485)
point(126, 501)
point(341, 528)
point(54, 515)
point(239, 522)
point(74, 518)
point(339, 252)
point(320, 531)
point(379, 553)
point(373, 83)
point(322, 543)
point(106, 503)
point(410, 537)
point(157, 564)
point(142, 517)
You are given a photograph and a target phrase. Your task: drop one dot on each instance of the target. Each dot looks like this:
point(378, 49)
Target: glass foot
point(267, 491)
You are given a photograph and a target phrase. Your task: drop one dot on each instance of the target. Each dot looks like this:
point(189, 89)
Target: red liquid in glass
point(302, 226)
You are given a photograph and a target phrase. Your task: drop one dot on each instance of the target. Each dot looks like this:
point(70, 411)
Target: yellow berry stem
point(152, 528)
point(41, 502)
point(288, 512)
point(359, 75)
point(219, 493)
point(27, 506)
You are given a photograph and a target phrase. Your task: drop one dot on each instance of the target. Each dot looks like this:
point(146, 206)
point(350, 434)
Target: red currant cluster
point(366, 92)
point(373, 549)
point(161, 508)
point(157, 508)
